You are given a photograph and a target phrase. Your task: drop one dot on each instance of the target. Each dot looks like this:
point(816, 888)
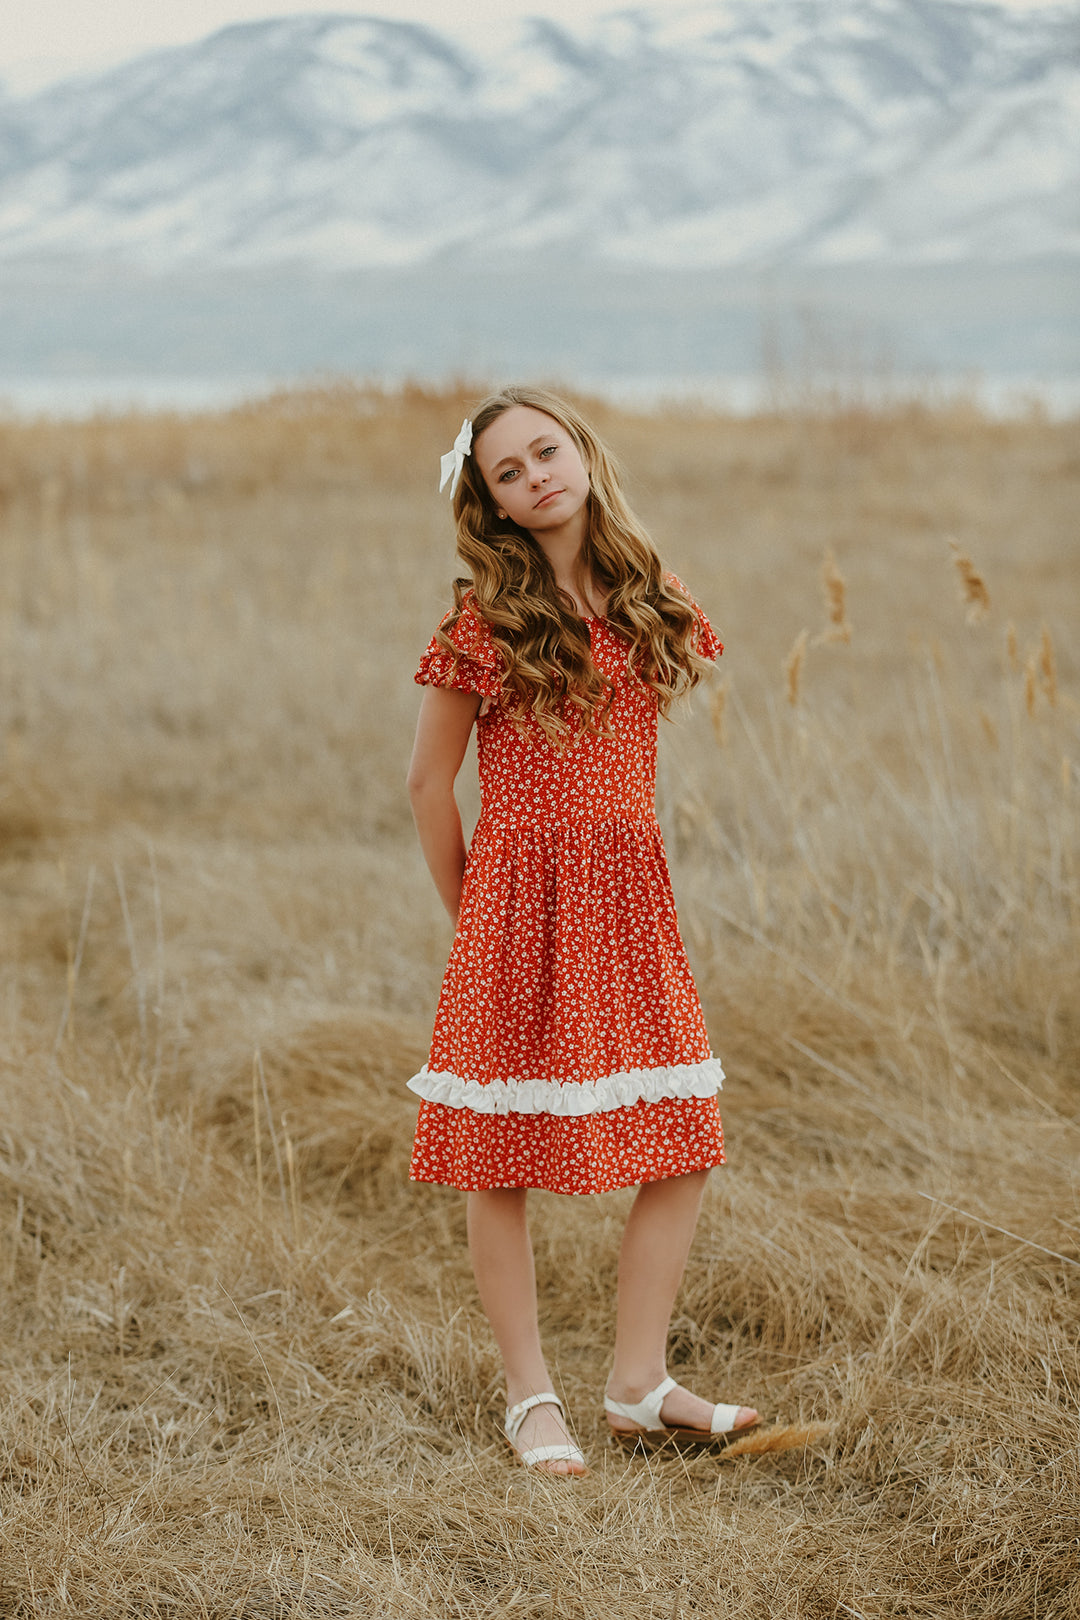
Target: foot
point(546, 1426)
point(679, 1410)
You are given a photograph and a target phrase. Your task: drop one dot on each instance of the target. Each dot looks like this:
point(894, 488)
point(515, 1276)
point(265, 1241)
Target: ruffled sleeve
point(708, 643)
point(475, 665)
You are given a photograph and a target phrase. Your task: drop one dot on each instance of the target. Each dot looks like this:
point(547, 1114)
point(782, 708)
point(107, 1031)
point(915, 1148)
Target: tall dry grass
point(244, 1373)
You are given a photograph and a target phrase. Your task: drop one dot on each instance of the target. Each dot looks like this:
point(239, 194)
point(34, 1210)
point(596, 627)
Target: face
point(533, 469)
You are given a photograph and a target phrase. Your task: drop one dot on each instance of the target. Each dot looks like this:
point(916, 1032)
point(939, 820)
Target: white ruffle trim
point(570, 1098)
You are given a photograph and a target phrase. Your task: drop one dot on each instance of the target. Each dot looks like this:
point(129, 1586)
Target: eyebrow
point(542, 439)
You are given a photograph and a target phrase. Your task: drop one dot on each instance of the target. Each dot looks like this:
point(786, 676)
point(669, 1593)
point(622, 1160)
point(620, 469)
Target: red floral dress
point(569, 1050)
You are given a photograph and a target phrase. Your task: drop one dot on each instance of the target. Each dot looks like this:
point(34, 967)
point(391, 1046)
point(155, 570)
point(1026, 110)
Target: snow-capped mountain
point(736, 132)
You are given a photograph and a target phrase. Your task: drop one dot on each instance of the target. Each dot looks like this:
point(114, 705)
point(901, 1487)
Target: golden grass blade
point(793, 667)
point(835, 588)
point(1047, 667)
point(1069, 1260)
point(973, 591)
point(777, 1437)
point(717, 709)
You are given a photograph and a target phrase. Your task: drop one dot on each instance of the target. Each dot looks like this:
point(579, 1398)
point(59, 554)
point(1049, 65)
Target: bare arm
point(442, 736)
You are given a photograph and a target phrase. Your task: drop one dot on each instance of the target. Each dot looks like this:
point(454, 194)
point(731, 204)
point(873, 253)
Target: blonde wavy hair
point(536, 626)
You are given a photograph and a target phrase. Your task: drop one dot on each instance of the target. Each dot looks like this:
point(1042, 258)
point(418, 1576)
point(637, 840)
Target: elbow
point(420, 783)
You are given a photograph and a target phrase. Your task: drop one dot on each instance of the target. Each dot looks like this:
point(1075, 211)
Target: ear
point(499, 513)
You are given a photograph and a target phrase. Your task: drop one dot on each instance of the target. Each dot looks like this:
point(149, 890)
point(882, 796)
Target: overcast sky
point(43, 40)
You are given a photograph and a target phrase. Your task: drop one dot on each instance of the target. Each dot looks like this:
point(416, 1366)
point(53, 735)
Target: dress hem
point(610, 1184)
point(572, 1098)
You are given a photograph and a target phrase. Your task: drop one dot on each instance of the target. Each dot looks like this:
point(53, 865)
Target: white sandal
point(515, 1417)
point(650, 1427)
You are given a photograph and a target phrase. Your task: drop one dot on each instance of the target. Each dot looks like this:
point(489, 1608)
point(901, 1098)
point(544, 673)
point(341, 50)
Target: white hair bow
point(453, 461)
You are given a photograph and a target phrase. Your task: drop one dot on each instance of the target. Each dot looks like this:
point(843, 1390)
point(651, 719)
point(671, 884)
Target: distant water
point(83, 337)
point(77, 397)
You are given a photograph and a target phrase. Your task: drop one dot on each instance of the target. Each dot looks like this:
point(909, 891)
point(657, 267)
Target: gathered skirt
point(569, 1050)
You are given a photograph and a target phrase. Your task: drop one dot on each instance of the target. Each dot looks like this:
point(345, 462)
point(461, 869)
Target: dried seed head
point(1030, 682)
point(990, 730)
point(1012, 649)
point(832, 579)
point(717, 708)
point(973, 591)
point(1047, 667)
point(793, 664)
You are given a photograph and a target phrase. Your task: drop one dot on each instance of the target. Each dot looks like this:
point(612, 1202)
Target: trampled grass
point(244, 1372)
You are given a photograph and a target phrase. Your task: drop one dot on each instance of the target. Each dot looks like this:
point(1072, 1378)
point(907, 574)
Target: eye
point(511, 472)
point(549, 450)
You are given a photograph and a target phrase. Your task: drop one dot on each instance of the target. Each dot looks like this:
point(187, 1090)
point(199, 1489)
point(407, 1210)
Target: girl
point(569, 1050)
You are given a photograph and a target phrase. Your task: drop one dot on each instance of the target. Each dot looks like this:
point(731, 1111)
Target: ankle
point(634, 1385)
point(519, 1389)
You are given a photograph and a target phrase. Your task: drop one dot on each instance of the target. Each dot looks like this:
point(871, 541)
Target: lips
point(550, 496)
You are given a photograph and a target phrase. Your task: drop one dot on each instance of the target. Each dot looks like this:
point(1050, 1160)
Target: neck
point(562, 548)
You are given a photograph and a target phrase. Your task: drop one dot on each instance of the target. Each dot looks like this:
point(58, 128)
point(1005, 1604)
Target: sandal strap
point(723, 1418)
point(516, 1415)
point(646, 1412)
point(551, 1454)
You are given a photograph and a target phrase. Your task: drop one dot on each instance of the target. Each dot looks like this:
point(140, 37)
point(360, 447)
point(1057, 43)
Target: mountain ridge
point(724, 134)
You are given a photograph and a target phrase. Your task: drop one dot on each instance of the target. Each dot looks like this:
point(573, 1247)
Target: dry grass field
point(243, 1370)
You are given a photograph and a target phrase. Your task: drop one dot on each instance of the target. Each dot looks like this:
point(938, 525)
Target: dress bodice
point(525, 777)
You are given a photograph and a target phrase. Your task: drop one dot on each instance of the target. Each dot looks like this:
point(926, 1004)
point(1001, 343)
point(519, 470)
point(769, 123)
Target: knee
point(496, 1203)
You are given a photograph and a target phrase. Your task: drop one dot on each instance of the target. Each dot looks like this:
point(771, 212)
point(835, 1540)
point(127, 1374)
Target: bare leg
point(505, 1275)
point(656, 1242)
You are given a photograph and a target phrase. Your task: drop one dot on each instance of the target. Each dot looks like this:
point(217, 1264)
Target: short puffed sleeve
point(707, 643)
point(475, 665)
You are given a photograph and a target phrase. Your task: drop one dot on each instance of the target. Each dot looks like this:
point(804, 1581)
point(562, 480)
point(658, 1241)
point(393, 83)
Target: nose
point(539, 475)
